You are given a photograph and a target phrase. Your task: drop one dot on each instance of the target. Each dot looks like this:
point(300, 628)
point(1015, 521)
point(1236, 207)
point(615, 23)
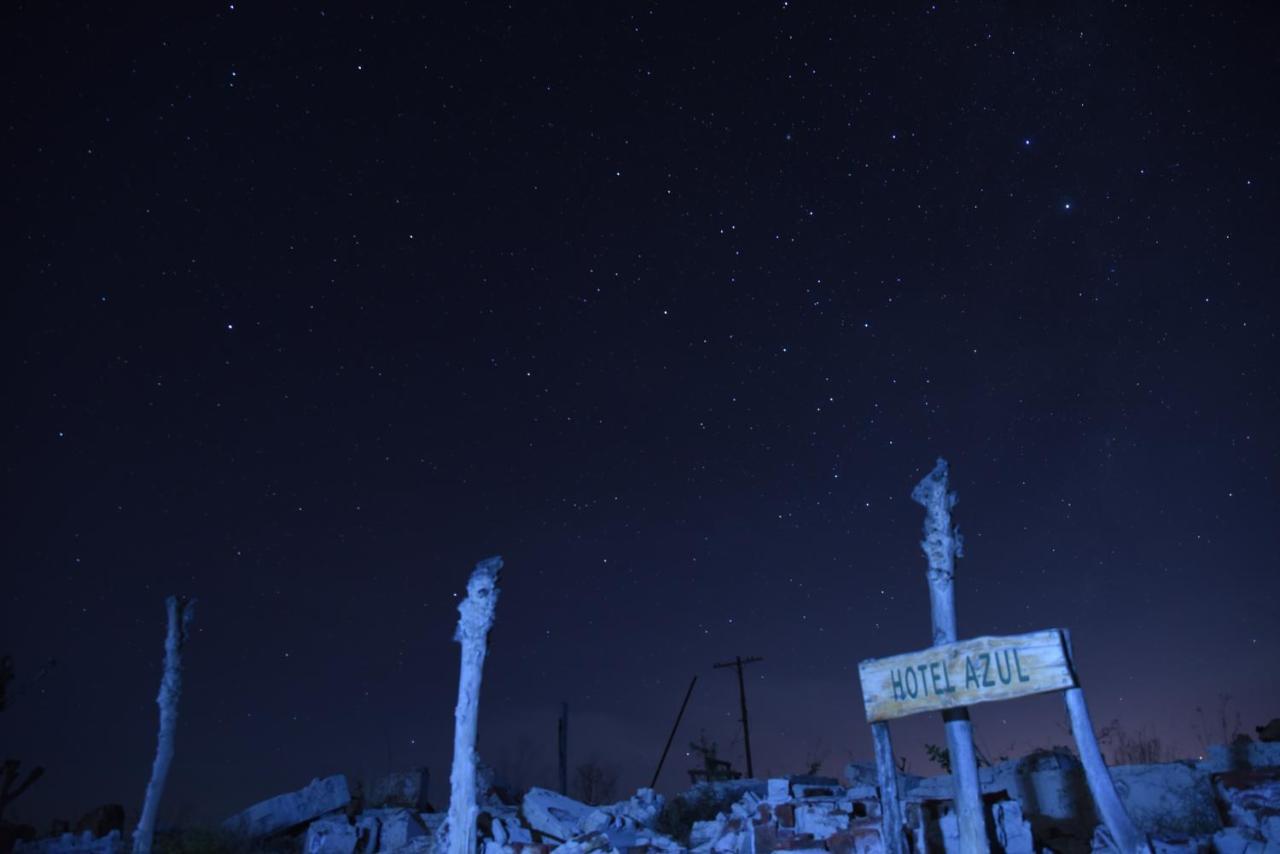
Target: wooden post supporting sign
point(892, 825)
point(942, 546)
point(952, 675)
point(1124, 834)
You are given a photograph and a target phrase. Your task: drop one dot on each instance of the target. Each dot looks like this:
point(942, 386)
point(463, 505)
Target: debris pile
point(1228, 803)
point(799, 813)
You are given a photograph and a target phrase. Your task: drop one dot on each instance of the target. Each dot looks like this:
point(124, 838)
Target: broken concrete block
point(406, 789)
point(509, 831)
point(861, 837)
point(1241, 840)
point(367, 829)
point(862, 793)
point(291, 809)
point(704, 833)
point(777, 790)
point(1250, 796)
point(432, 821)
point(1270, 827)
point(1168, 798)
point(641, 809)
point(396, 828)
point(330, 836)
point(73, 843)
point(1013, 832)
point(820, 819)
point(724, 835)
point(552, 814)
point(814, 787)
point(1242, 756)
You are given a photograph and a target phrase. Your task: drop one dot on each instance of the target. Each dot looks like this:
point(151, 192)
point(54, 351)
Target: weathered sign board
point(981, 670)
point(952, 675)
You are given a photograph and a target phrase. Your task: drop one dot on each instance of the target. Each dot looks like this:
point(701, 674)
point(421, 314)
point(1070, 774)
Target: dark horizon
point(311, 310)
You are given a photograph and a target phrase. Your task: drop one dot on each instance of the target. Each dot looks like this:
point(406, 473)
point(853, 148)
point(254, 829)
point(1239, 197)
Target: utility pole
point(737, 663)
point(671, 738)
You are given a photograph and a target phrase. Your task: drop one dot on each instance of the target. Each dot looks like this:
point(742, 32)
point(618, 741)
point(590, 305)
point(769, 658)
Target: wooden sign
point(981, 670)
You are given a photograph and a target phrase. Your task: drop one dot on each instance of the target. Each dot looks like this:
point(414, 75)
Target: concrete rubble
point(1228, 803)
point(320, 796)
point(1035, 804)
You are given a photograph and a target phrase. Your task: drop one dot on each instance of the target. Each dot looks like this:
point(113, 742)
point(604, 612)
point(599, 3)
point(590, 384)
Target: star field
point(671, 306)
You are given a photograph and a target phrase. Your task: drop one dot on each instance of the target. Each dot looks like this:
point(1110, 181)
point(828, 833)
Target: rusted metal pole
point(687, 694)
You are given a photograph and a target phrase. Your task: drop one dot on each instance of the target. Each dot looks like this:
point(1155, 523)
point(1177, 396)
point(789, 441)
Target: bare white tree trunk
point(180, 610)
point(942, 545)
point(476, 617)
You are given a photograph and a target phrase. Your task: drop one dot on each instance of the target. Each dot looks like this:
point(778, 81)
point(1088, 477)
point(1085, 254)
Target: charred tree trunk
point(475, 619)
point(180, 611)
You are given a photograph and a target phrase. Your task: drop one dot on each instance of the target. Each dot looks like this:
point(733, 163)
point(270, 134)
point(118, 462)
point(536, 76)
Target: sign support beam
point(941, 546)
point(891, 822)
point(1126, 837)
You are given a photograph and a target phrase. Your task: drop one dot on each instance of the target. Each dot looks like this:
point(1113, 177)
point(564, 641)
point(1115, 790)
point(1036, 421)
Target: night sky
point(309, 309)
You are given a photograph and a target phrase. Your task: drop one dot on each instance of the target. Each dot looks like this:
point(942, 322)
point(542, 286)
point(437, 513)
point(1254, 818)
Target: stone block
point(641, 809)
point(330, 836)
point(368, 828)
point(1013, 832)
point(704, 833)
point(766, 837)
point(407, 789)
point(820, 819)
point(509, 831)
point(814, 787)
point(777, 790)
point(396, 828)
point(1241, 840)
point(862, 793)
point(552, 814)
point(291, 809)
point(1250, 796)
point(1270, 827)
point(861, 837)
point(1168, 799)
point(1242, 756)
